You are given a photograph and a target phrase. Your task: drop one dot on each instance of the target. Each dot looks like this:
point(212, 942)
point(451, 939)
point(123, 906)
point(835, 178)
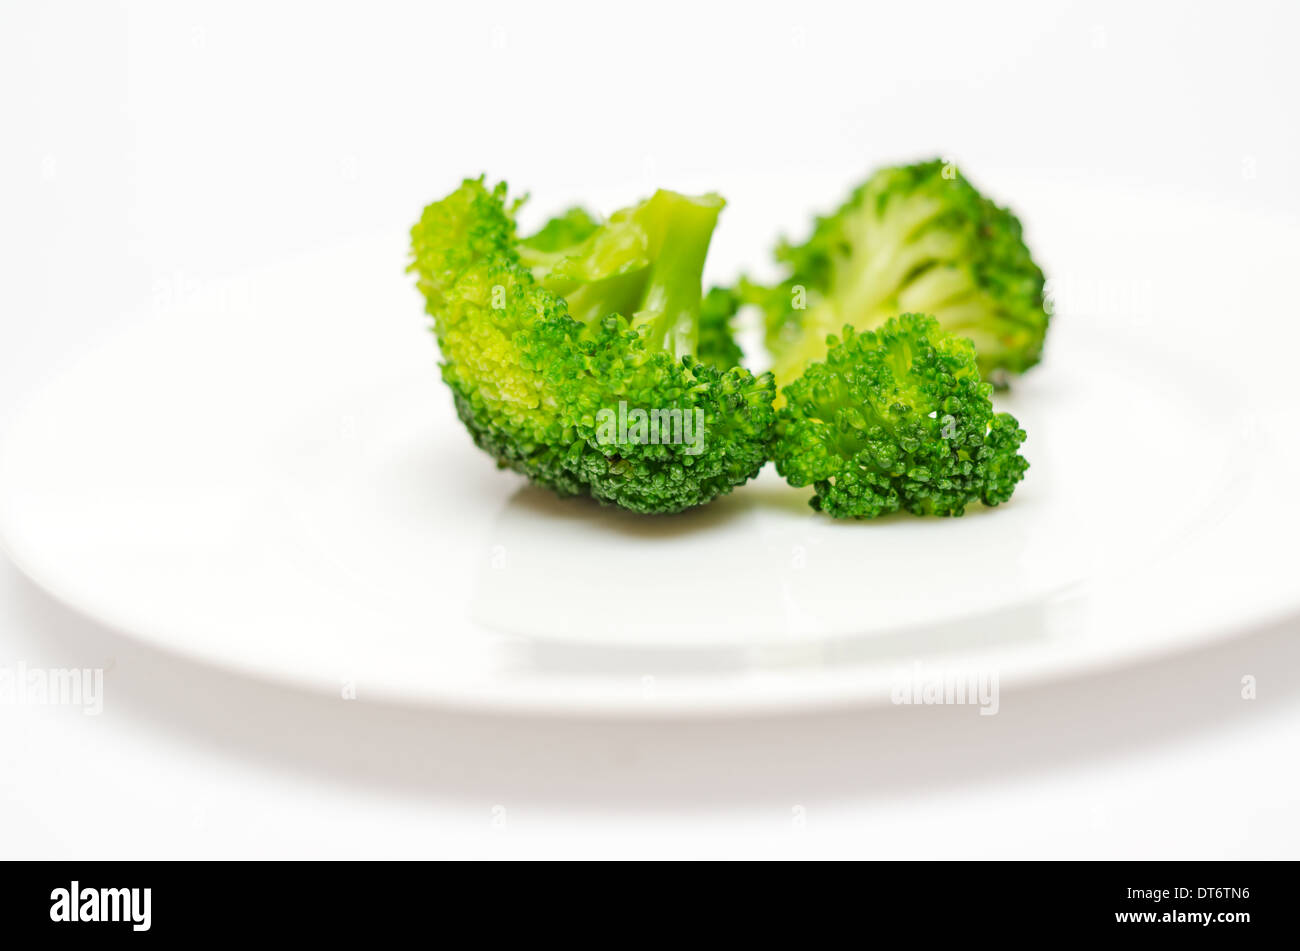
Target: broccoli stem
point(670, 302)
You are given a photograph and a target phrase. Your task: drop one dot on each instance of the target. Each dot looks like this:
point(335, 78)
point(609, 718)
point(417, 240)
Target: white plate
point(267, 475)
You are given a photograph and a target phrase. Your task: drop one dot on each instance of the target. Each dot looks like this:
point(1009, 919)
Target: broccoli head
point(574, 355)
point(897, 418)
point(916, 238)
point(718, 346)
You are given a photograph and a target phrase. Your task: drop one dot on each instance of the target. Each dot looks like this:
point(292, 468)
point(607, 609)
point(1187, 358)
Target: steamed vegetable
point(543, 338)
point(897, 418)
point(919, 239)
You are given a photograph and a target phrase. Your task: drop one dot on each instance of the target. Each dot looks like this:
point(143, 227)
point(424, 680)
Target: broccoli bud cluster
point(887, 317)
point(539, 336)
point(897, 418)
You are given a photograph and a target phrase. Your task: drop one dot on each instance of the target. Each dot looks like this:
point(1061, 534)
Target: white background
point(147, 149)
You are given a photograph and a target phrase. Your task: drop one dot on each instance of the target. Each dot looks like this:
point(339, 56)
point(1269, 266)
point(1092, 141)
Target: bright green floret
point(717, 346)
point(897, 418)
point(919, 239)
point(545, 339)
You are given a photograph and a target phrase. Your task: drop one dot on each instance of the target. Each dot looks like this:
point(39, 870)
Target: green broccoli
point(916, 238)
point(546, 339)
point(717, 346)
point(897, 418)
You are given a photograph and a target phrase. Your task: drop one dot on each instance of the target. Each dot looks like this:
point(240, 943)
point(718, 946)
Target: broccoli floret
point(916, 238)
point(897, 418)
point(546, 340)
point(718, 346)
point(562, 233)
